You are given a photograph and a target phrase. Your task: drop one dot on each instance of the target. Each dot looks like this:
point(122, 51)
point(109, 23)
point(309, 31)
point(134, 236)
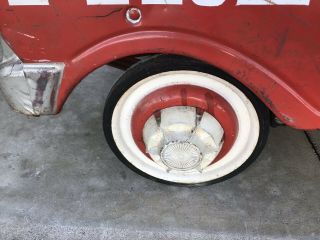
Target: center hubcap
point(179, 138)
point(181, 155)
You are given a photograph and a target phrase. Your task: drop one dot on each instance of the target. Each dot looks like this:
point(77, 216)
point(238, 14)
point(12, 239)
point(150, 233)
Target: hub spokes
point(180, 139)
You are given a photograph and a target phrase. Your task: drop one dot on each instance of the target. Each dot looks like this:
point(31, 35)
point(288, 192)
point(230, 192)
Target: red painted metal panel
point(274, 50)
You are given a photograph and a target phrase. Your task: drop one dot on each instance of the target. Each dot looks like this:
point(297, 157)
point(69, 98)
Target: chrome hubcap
point(180, 139)
point(181, 156)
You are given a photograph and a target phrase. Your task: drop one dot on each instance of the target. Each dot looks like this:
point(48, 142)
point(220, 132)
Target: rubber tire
point(165, 63)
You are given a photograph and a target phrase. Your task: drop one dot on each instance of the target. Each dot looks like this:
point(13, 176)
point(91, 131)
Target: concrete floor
point(59, 180)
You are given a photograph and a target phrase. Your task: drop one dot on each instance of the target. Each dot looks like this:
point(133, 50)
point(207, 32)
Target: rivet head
point(133, 15)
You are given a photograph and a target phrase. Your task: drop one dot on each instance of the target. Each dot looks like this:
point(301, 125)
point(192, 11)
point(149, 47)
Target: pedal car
point(202, 78)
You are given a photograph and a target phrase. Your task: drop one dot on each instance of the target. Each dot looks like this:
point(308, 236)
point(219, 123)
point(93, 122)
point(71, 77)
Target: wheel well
point(288, 103)
point(126, 62)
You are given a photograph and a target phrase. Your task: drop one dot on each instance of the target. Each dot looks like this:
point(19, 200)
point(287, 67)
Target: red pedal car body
point(196, 108)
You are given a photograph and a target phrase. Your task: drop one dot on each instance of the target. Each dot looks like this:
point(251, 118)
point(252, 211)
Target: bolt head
point(134, 15)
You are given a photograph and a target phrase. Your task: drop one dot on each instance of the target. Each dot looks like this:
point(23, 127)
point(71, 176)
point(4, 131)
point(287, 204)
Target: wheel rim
point(202, 99)
point(149, 133)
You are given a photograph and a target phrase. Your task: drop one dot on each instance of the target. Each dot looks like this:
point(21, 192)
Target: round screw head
point(133, 15)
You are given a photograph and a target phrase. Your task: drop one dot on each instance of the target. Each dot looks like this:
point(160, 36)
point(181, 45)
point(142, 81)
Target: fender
point(272, 90)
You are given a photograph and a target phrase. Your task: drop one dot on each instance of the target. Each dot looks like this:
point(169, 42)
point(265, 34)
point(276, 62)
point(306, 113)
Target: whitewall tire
point(182, 123)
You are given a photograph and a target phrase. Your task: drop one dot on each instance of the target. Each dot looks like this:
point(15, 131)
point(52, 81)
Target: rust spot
point(54, 91)
point(210, 102)
point(42, 83)
point(241, 74)
point(317, 63)
point(266, 99)
point(282, 42)
point(184, 97)
point(287, 118)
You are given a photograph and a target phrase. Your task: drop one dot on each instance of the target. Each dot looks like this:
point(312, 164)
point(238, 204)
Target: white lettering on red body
point(205, 3)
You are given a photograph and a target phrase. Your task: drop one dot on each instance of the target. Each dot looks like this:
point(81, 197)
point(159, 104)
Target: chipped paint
point(26, 35)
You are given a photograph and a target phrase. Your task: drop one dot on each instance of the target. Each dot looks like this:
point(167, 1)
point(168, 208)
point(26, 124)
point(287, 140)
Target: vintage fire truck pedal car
point(202, 77)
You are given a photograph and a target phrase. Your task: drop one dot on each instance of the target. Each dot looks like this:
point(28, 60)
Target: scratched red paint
point(274, 50)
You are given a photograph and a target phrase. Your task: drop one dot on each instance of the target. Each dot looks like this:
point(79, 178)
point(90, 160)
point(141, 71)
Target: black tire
point(165, 63)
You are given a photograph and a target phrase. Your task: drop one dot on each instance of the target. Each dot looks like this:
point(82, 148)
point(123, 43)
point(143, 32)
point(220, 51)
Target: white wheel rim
point(244, 145)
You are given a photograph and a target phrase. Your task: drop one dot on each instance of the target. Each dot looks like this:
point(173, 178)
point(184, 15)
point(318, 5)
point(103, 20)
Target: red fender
point(272, 90)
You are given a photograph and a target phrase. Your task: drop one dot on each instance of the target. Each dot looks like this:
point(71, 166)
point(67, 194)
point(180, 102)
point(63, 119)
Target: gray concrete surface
point(59, 180)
